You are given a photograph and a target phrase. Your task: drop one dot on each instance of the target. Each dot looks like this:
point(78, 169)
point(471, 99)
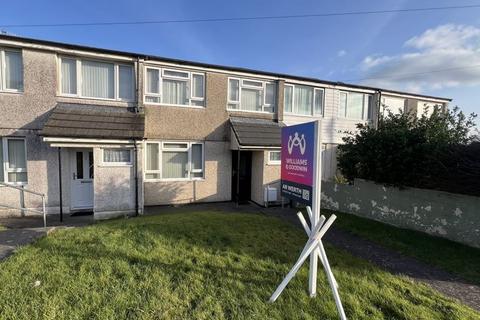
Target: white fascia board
point(88, 141)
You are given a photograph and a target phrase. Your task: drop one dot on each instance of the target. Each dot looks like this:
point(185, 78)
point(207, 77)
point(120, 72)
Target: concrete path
point(440, 280)
point(20, 231)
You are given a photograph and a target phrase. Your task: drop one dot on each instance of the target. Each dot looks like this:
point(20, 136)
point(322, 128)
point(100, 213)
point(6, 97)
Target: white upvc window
point(173, 160)
point(117, 157)
point(11, 70)
point(355, 105)
point(303, 100)
point(174, 87)
point(96, 79)
point(251, 95)
point(274, 157)
point(13, 160)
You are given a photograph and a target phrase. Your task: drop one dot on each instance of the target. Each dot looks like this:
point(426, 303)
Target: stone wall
point(452, 216)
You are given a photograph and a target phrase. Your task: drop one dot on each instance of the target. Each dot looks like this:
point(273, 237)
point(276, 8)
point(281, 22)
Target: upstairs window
point(174, 87)
point(251, 95)
point(11, 70)
point(13, 160)
point(303, 100)
point(97, 79)
point(354, 105)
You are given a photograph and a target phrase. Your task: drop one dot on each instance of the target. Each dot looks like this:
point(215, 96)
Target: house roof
point(93, 121)
point(207, 65)
point(256, 132)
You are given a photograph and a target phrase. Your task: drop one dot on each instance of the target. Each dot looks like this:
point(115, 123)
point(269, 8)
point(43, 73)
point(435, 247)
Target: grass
point(202, 265)
point(454, 257)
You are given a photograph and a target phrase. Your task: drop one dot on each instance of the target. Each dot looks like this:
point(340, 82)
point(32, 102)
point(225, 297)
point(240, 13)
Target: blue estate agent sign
point(298, 156)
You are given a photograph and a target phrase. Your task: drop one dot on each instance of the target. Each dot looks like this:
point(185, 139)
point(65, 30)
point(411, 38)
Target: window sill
point(174, 180)
point(304, 115)
point(249, 111)
point(274, 163)
point(115, 165)
point(12, 91)
point(173, 105)
point(93, 98)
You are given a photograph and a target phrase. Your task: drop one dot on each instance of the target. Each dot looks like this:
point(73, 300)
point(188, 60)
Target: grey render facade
point(118, 131)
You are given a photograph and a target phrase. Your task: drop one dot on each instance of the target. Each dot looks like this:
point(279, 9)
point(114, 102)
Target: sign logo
point(296, 142)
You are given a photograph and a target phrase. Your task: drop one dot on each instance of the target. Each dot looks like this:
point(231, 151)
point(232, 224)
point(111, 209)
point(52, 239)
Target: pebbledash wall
point(448, 215)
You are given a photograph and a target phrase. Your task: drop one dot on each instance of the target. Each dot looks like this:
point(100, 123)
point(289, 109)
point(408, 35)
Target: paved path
point(387, 259)
point(21, 231)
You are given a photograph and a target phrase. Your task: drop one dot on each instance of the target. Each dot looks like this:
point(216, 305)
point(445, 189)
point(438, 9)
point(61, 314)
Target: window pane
point(16, 154)
point(126, 82)
point(252, 83)
point(2, 178)
point(275, 156)
point(270, 94)
point(17, 177)
point(79, 160)
point(288, 98)
point(342, 107)
point(175, 146)
point(90, 165)
point(116, 155)
point(178, 74)
point(318, 102)
point(175, 91)
point(355, 105)
point(13, 70)
point(197, 157)
point(303, 100)
point(370, 107)
point(69, 76)
point(251, 99)
point(152, 175)
point(233, 90)
point(198, 86)
point(174, 164)
point(152, 81)
point(152, 156)
point(97, 79)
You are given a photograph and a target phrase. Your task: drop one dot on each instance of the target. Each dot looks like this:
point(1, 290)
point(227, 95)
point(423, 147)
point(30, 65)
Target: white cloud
point(445, 56)
point(341, 53)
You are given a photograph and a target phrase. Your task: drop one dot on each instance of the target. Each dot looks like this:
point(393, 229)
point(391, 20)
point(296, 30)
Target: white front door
point(82, 179)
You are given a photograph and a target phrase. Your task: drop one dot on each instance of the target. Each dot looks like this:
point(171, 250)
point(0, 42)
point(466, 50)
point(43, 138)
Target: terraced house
point(111, 132)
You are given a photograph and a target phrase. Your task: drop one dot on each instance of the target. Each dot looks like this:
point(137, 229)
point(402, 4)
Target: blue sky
point(347, 48)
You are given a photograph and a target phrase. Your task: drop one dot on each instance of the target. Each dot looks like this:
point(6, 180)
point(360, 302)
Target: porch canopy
point(255, 134)
point(89, 124)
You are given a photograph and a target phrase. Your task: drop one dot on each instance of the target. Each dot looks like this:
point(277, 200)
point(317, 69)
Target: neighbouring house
point(111, 132)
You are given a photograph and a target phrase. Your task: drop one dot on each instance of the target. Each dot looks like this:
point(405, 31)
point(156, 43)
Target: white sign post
point(319, 225)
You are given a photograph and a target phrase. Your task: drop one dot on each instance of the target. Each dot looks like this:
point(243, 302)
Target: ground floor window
point(274, 157)
point(174, 160)
point(117, 156)
point(13, 160)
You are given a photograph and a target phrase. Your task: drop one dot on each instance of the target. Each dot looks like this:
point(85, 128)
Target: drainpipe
point(135, 168)
point(60, 181)
point(379, 107)
point(238, 177)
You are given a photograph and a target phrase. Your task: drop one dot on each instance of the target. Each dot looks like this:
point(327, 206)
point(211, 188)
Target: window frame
point(3, 75)
point(274, 162)
point(365, 102)
point(189, 80)
point(262, 88)
point(313, 113)
point(117, 164)
point(161, 149)
point(78, 70)
point(5, 164)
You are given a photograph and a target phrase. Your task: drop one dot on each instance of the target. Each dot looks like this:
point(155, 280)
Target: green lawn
point(202, 265)
point(451, 256)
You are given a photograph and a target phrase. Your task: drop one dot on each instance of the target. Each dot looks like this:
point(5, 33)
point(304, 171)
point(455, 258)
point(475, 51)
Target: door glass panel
point(90, 165)
point(79, 159)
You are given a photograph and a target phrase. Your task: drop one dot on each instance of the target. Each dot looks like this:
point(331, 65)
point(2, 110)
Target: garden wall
point(452, 216)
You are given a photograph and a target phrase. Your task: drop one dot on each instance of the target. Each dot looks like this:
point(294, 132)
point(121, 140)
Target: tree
point(404, 150)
